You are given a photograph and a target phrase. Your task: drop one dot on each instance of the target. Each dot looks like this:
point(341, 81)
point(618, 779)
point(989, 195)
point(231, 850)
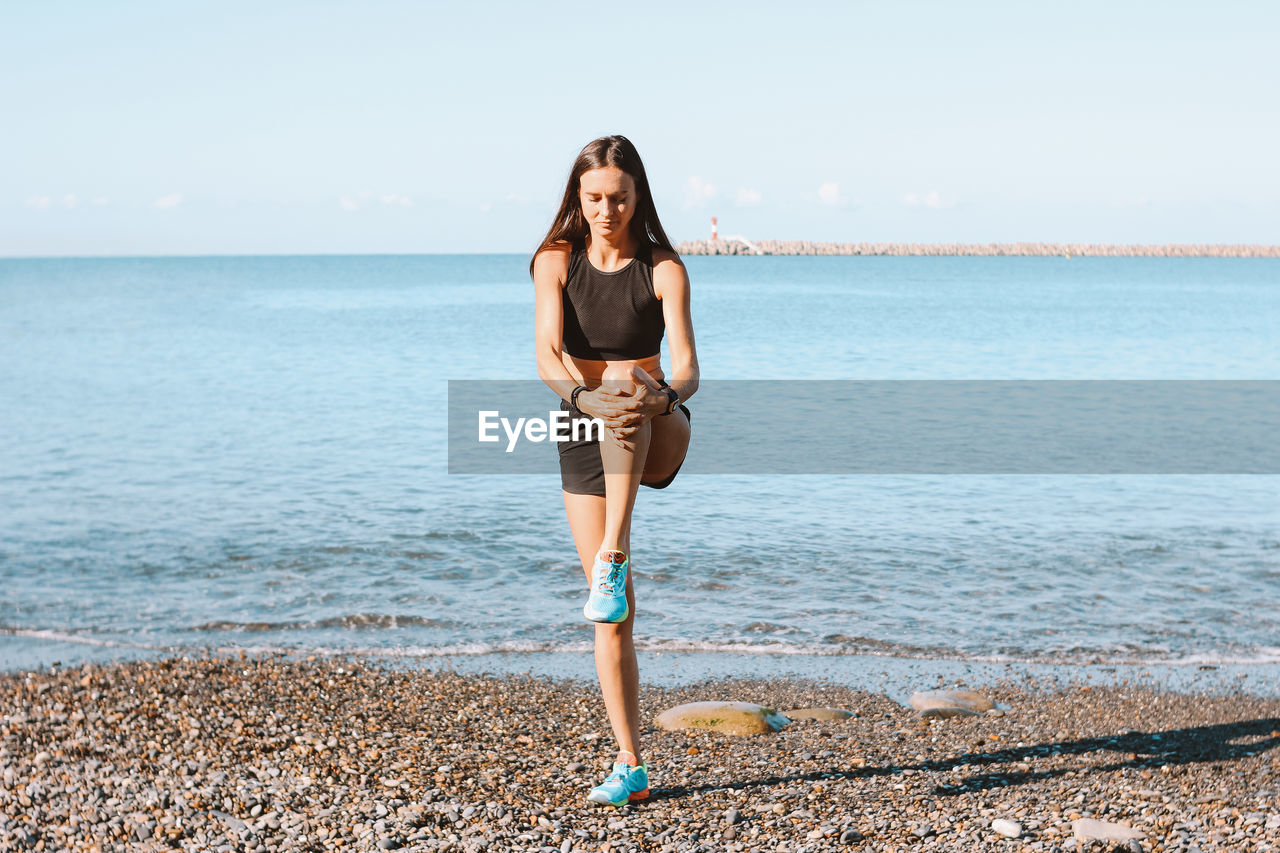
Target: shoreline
point(674, 668)
point(735, 246)
point(272, 753)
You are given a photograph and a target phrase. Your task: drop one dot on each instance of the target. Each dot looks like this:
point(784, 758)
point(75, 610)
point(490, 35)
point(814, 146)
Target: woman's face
point(608, 197)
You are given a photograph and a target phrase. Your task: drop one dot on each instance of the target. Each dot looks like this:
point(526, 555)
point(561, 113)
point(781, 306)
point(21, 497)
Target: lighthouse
point(713, 229)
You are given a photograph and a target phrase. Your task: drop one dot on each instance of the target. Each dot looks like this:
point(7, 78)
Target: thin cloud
point(1130, 201)
point(932, 200)
point(70, 200)
point(698, 192)
point(748, 197)
point(829, 193)
point(517, 198)
point(100, 201)
point(168, 202)
point(39, 202)
point(356, 201)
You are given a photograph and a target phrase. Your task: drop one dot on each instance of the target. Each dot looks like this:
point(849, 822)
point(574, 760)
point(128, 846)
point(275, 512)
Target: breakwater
point(1101, 250)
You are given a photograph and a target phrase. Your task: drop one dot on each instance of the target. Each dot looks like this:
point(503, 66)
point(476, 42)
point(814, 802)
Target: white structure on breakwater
point(736, 245)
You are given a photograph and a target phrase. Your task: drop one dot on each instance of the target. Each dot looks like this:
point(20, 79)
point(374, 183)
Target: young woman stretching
point(608, 284)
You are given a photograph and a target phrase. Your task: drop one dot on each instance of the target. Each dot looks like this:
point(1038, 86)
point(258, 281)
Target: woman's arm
point(671, 285)
point(550, 268)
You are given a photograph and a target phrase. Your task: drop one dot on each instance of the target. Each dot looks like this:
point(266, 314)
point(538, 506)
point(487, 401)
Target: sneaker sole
point(623, 618)
point(605, 801)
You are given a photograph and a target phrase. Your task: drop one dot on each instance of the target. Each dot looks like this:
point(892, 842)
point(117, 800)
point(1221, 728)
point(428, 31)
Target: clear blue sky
point(281, 127)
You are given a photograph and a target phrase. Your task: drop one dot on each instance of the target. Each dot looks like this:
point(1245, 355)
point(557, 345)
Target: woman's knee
point(621, 375)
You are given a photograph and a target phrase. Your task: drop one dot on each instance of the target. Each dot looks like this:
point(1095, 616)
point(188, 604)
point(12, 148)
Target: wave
point(72, 637)
point(357, 621)
point(1259, 656)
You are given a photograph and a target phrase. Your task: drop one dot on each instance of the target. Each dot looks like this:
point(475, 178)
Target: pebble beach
point(264, 753)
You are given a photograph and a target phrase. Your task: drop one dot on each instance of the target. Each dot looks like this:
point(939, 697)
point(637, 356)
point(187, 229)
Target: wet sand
point(274, 753)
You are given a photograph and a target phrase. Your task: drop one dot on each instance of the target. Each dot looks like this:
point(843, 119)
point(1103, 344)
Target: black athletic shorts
point(581, 471)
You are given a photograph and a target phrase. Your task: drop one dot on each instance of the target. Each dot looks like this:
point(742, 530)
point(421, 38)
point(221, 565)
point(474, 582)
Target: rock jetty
point(1096, 250)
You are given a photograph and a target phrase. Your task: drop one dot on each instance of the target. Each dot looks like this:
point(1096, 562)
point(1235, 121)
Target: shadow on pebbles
point(267, 754)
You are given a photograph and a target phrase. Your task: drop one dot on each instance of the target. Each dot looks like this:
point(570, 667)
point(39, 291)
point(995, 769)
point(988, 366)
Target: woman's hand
point(613, 405)
point(623, 410)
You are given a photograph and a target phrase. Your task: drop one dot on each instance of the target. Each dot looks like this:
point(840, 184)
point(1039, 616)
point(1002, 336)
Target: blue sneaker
point(608, 599)
point(625, 784)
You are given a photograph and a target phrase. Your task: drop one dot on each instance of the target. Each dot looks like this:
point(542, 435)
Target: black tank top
point(611, 315)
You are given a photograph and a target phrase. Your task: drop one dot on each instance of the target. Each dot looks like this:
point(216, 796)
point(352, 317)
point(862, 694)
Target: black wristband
point(673, 400)
point(573, 398)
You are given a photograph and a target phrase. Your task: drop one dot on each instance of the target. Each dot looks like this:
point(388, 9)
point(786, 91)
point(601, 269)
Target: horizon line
point(697, 247)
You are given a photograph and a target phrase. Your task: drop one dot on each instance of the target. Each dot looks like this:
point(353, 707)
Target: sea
point(212, 455)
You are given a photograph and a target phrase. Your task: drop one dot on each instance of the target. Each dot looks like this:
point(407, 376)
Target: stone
point(734, 718)
point(967, 700)
point(732, 816)
point(1007, 828)
point(1088, 829)
point(946, 713)
point(826, 715)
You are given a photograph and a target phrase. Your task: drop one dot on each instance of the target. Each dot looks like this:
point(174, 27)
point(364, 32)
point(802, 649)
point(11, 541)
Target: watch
point(675, 400)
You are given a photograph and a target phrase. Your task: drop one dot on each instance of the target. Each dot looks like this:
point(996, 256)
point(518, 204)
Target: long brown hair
point(571, 226)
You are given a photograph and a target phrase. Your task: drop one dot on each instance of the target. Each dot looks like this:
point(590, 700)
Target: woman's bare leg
point(668, 444)
point(604, 524)
point(616, 665)
point(623, 462)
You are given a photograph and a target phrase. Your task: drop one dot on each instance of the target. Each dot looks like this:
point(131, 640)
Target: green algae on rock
point(733, 718)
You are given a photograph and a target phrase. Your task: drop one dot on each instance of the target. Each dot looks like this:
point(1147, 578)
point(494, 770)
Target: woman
point(608, 285)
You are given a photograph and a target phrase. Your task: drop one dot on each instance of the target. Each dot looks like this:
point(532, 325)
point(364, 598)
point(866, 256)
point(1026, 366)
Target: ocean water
point(222, 453)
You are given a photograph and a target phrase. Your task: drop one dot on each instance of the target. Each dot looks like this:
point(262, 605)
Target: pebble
point(735, 718)
point(1087, 829)
point(1007, 828)
point(960, 701)
point(297, 755)
point(826, 715)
